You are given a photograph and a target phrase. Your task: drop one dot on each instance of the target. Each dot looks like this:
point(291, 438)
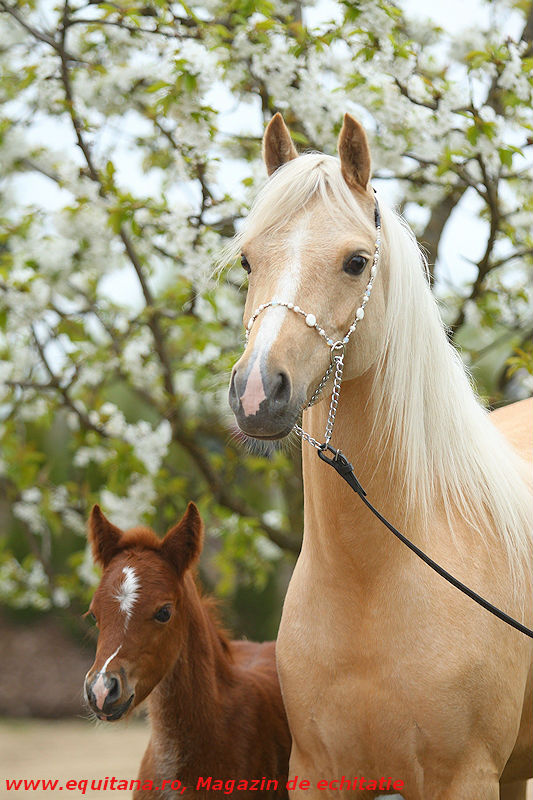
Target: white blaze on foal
point(100, 690)
point(286, 289)
point(127, 595)
point(128, 592)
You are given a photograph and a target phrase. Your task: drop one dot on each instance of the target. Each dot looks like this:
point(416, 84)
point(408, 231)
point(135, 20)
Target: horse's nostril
point(234, 392)
point(281, 389)
point(232, 387)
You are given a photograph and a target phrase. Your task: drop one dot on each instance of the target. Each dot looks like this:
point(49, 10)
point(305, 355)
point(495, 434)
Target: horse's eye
point(244, 263)
point(91, 616)
point(163, 614)
point(355, 264)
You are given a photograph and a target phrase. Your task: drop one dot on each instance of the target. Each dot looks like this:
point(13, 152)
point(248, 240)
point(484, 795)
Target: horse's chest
point(335, 684)
point(360, 693)
point(351, 715)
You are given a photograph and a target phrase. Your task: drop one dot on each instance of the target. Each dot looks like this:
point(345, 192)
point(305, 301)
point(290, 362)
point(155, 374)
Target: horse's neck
point(184, 705)
point(335, 518)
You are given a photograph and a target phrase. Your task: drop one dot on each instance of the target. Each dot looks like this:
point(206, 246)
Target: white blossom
point(84, 455)
point(87, 571)
point(60, 597)
point(74, 521)
point(28, 510)
point(513, 77)
point(267, 549)
point(149, 445)
point(58, 498)
point(273, 517)
point(128, 511)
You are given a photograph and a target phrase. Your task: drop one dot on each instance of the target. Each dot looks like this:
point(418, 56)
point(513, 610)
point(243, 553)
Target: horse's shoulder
point(515, 421)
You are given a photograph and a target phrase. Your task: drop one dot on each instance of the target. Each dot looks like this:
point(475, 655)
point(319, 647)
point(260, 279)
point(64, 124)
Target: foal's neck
point(183, 706)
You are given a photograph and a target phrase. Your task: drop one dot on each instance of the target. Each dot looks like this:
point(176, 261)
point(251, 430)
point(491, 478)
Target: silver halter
point(337, 347)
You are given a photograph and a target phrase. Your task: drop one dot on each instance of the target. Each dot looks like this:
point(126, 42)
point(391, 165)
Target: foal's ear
point(103, 536)
point(183, 543)
point(354, 153)
point(277, 144)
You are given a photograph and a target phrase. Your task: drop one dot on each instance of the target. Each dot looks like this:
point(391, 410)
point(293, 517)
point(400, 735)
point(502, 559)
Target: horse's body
point(386, 670)
point(215, 706)
point(424, 685)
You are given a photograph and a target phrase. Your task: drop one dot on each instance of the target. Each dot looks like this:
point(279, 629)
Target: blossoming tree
point(129, 143)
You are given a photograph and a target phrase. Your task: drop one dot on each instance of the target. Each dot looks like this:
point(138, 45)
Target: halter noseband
point(337, 346)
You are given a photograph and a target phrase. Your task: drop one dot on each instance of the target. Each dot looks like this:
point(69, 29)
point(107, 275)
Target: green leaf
point(506, 156)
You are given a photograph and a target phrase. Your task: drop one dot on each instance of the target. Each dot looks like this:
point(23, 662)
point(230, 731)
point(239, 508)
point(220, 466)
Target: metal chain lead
point(307, 437)
point(321, 385)
point(337, 362)
point(335, 392)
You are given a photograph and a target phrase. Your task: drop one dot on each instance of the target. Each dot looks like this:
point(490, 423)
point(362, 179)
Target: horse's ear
point(354, 153)
point(103, 536)
point(277, 144)
point(183, 543)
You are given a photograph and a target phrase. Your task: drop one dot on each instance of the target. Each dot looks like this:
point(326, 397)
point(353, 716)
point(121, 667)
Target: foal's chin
point(121, 711)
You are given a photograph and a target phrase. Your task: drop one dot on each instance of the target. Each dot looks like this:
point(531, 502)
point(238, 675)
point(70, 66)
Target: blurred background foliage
point(130, 139)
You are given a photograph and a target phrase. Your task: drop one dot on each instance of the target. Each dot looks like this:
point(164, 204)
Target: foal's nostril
point(114, 689)
point(89, 695)
point(281, 389)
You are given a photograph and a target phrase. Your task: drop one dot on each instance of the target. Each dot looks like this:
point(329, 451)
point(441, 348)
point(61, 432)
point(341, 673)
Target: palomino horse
point(385, 669)
point(215, 706)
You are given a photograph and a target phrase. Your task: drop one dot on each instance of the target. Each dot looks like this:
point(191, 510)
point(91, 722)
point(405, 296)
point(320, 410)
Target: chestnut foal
point(215, 705)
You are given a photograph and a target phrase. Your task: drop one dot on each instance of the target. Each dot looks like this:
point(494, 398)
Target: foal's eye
point(163, 614)
point(355, 264)
point(244, 263)
point(91, 616)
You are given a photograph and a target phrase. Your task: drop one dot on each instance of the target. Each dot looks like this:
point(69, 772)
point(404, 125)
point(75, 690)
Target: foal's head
point(308, 241)
point(137, 608)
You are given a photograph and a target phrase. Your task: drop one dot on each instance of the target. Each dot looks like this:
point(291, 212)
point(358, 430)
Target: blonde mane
point(425, 409)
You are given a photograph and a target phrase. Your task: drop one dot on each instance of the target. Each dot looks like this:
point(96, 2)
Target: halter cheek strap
point(337, 346)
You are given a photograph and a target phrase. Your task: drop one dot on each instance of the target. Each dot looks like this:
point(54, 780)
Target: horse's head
point(137, 608)
point(308, 242)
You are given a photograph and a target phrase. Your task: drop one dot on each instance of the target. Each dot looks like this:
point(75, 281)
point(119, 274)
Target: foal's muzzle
point(109, 695)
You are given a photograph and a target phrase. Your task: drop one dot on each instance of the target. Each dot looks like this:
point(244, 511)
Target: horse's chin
point(267, 437)
point(254, 429)
point(119, 713)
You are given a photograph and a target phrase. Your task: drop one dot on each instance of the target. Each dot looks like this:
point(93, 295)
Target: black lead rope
point(340, 463)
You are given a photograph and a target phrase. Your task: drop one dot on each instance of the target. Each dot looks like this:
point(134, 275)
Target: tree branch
point(484, 266)
point(439, 216)
point(403, 90)
point(41, 36)
point(62, 390)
